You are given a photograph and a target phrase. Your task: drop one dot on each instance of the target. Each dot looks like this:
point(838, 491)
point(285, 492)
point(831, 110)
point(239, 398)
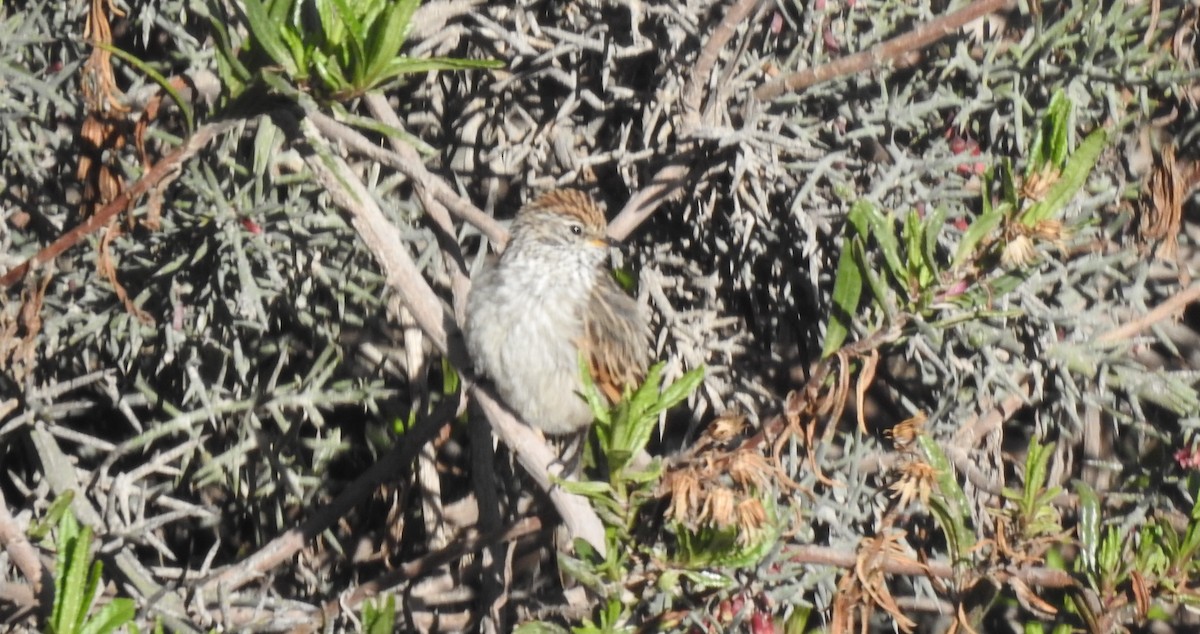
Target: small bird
point(550, 297)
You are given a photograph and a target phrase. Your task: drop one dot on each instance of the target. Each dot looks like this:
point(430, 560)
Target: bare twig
point(896, 51)
point(162, 171)
point(18, 547)
point(693, 92)
point(1163, 311)
point(405, 160)
point(666, 183)
point(389, 467)
point(431, 561)
point(826, 556)
point(670, 180)
point(21, 599)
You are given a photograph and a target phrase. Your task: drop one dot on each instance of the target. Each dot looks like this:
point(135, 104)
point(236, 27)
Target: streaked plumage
point(550, 296)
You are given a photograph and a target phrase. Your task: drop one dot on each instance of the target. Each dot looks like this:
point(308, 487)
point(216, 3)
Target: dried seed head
point(749, 469)
point(719, 507)
point(751, 517)
point(684, 488)
point(916, 482)
point(907, 431)
point(1018, 252)
point(727, 426)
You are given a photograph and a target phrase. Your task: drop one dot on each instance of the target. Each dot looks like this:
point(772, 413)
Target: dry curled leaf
point(1162, 205)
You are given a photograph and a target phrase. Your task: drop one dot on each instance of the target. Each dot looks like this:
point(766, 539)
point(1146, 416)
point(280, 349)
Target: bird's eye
point(577, 230)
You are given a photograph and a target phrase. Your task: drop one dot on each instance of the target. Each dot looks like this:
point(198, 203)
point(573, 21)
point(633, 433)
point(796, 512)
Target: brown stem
point(161, 171)
point(897, 51)
point(389, 467)
point(22, 553)
point(431, 561)
point(826, 556)
point(1159, 313)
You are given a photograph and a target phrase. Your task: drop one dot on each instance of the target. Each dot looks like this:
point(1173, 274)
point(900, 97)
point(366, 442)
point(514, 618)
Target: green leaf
point(676, 392)
point(385, 39)
point(350, 50)
point(407, 65)
point(1089, 524)
point(955, 514)
point(54, 516)
point(1110, 556)
point(299, 61)
point(1060, 123)
point(1074, 175)
point(379, 615)
point(931, 228)
point(330, 73)
point(1051, 141)
point(634, 427)
point(426, 150)
point(847, 291)
point(157, 77)
point(233, 73)
point(113, 615)
point(451, 381)
point(586, 488)
point(705, 580)
point(865, 218)
point(859, 218)
point(72, 570)
point(89, 590)
point(911, 233)
point(581, 571)
point(1008, 184)
point(266, 34)
point(984, 226)
point(879, 289)
point(1037, 461)
point(797, 622)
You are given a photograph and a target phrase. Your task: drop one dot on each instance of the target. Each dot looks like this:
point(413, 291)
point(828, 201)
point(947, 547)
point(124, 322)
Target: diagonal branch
point(898, 51)
point(158, 176)
point(670, 180)
point(383, 239)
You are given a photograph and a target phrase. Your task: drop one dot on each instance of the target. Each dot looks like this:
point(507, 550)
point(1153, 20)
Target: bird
point(550, 298)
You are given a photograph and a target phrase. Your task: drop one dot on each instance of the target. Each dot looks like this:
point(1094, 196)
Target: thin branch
point(897, 51)
point(22, 553)
point(413, 569)
point(670, 180)
point(405, 160)
point(826, 556)
point(666, 183)
point(694, 90)
point(390, 466)
point(159, 175)
point(1165, 310)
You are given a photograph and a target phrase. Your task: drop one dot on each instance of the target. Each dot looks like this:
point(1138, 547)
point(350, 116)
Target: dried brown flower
point(719, 507)
point(727, 426)
point(749, 469)
point(1018, 252)
point(684, 488)
point(1038, 183)
point(751, 516)
point(916, 482)
point(906, 431)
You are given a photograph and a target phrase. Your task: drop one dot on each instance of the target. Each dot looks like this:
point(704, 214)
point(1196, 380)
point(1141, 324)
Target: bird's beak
point(606, 242)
